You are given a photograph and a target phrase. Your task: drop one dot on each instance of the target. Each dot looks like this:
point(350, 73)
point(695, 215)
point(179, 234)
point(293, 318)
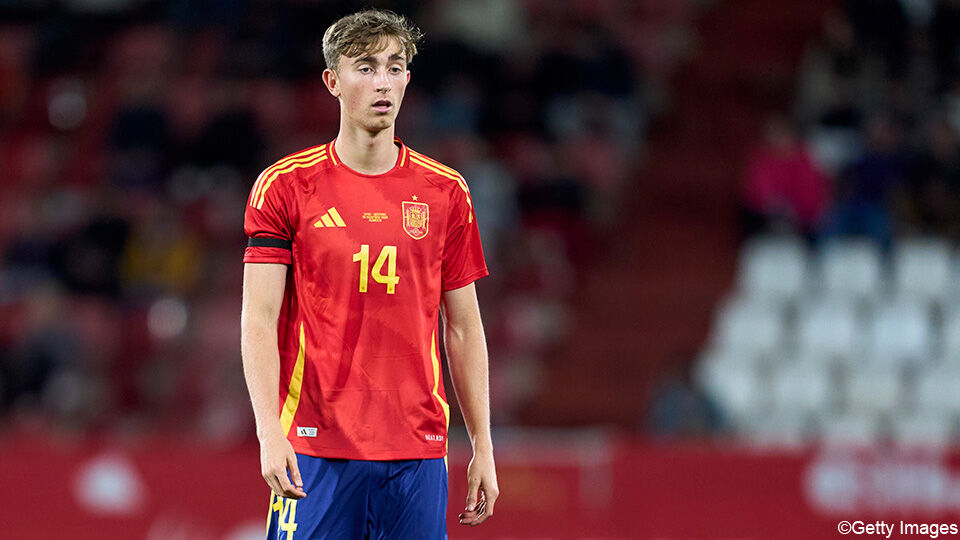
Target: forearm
point(469, 371)
point(261, 369)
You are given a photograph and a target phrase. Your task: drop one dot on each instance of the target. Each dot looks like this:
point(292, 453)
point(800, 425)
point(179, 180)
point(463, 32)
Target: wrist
point(482, 445)
point(265, 433)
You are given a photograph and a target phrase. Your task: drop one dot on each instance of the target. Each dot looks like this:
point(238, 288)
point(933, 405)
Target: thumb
point(473, 485)
point(294, 470)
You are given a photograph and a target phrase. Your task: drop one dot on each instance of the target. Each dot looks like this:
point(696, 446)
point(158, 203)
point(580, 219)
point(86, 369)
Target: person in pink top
point(784, 189)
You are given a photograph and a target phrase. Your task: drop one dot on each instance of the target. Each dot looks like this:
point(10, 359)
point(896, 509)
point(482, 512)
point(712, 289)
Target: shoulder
point(307, 160)
point(437, 172)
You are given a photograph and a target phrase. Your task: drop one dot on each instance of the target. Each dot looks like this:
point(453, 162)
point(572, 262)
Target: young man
point(355, 247)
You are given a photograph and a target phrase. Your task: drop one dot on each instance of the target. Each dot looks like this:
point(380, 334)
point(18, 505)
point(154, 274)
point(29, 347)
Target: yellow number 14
point(388, 256)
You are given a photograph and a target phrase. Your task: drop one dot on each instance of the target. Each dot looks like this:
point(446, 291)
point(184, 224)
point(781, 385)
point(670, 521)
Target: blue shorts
point(353, 500)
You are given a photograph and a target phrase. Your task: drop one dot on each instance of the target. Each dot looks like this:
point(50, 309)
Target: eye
point(366, 69)
point(396, 70)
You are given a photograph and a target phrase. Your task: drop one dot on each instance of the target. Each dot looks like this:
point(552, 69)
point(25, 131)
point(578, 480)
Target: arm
point(467, 358)
point(263, 286)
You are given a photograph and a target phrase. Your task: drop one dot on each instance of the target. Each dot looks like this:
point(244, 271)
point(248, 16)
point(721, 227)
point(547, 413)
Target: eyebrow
point(372, 59)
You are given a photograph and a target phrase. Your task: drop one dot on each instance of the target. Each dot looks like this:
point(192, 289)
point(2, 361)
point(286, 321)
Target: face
point(370, 87)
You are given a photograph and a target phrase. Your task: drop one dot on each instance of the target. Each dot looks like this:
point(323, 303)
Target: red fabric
point(368, 376)
point(787, 181)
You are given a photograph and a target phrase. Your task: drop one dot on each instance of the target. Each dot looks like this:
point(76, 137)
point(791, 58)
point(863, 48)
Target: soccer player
point(355, 248)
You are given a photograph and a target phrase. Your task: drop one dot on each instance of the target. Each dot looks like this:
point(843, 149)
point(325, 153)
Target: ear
point(332, 82)
point(408, 77)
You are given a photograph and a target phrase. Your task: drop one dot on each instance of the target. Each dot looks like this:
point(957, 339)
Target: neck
point(366, 152)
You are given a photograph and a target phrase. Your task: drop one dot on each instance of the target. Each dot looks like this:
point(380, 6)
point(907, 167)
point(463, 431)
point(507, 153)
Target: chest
point(380, 223)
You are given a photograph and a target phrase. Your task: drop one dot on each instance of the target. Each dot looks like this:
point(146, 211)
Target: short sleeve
point(463, 261)
point(267, 224)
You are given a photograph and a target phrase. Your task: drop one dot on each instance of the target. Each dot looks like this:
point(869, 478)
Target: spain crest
point(416, 219)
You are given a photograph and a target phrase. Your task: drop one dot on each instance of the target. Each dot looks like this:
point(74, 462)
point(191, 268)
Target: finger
point(295, 471)
point(481, 507)
point(485, 515)
point(286, 488)
point(470, 518)
point(490, 498)
point(473, 486)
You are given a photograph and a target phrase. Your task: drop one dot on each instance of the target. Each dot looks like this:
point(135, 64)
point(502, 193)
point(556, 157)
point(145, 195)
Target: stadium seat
point(773, 268)
point(950, 334)
point(874, 389)
point(803, 388)
point(922, 430)
point(829, 328)
point(922, 269)
point(782, 428)
point(901, 332)
point(749, 326)
point(733, 382)
point(850, 269)
point(938, 391)
point(850, 429)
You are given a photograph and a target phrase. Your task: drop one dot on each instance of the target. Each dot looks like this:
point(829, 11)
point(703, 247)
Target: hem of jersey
point(340, 453)
point(463, 282)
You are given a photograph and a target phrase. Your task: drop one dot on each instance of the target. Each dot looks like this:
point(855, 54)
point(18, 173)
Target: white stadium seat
point(829, 328)
point(922, 269)
point(938, 391)
point(850, 269)
point(950, 333)
point(803, 388)
point(901, 332)
point(773, 268)
point(734, 384)
point(850, 429)
point(748, 326)
point(922, 430)
point(874, 389)
point(780, 428)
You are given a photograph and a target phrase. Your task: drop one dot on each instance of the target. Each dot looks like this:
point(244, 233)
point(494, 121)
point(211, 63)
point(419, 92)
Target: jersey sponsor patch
point(416, 219)
point(306, 431)
point(435, 438)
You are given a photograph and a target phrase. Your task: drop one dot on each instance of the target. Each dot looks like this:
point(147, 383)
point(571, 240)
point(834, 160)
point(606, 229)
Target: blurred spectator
point(784, 188)
point(679, 409)
point(933, 202)
point(833, 79)
point(945, 34)
point(866, 190)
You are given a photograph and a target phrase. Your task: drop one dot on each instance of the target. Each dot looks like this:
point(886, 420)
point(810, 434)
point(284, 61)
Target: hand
point(276, 456)
point(482, 490)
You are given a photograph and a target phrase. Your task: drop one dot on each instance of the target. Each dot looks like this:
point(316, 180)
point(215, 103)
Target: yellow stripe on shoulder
point(298, 164)
point(265, 175)
point(459, 179)
point(435, 163)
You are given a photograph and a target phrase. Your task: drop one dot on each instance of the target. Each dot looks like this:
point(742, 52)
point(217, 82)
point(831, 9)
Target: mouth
point(382, 106)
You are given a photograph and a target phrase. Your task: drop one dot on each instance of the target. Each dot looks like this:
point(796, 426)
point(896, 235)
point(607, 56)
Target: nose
point(382, 81)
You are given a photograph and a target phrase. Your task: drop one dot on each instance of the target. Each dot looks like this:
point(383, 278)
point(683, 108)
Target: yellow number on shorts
point(288, 517)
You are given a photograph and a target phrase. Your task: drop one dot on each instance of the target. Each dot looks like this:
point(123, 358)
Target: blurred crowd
point(872, 145)
point(132, 130)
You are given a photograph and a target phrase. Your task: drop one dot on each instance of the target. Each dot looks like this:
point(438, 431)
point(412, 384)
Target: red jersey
point(368, 256)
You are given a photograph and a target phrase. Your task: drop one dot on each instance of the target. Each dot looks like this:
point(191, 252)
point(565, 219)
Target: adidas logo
point(330, 219)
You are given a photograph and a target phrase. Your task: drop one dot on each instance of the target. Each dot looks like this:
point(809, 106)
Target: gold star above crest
point(414, 197)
